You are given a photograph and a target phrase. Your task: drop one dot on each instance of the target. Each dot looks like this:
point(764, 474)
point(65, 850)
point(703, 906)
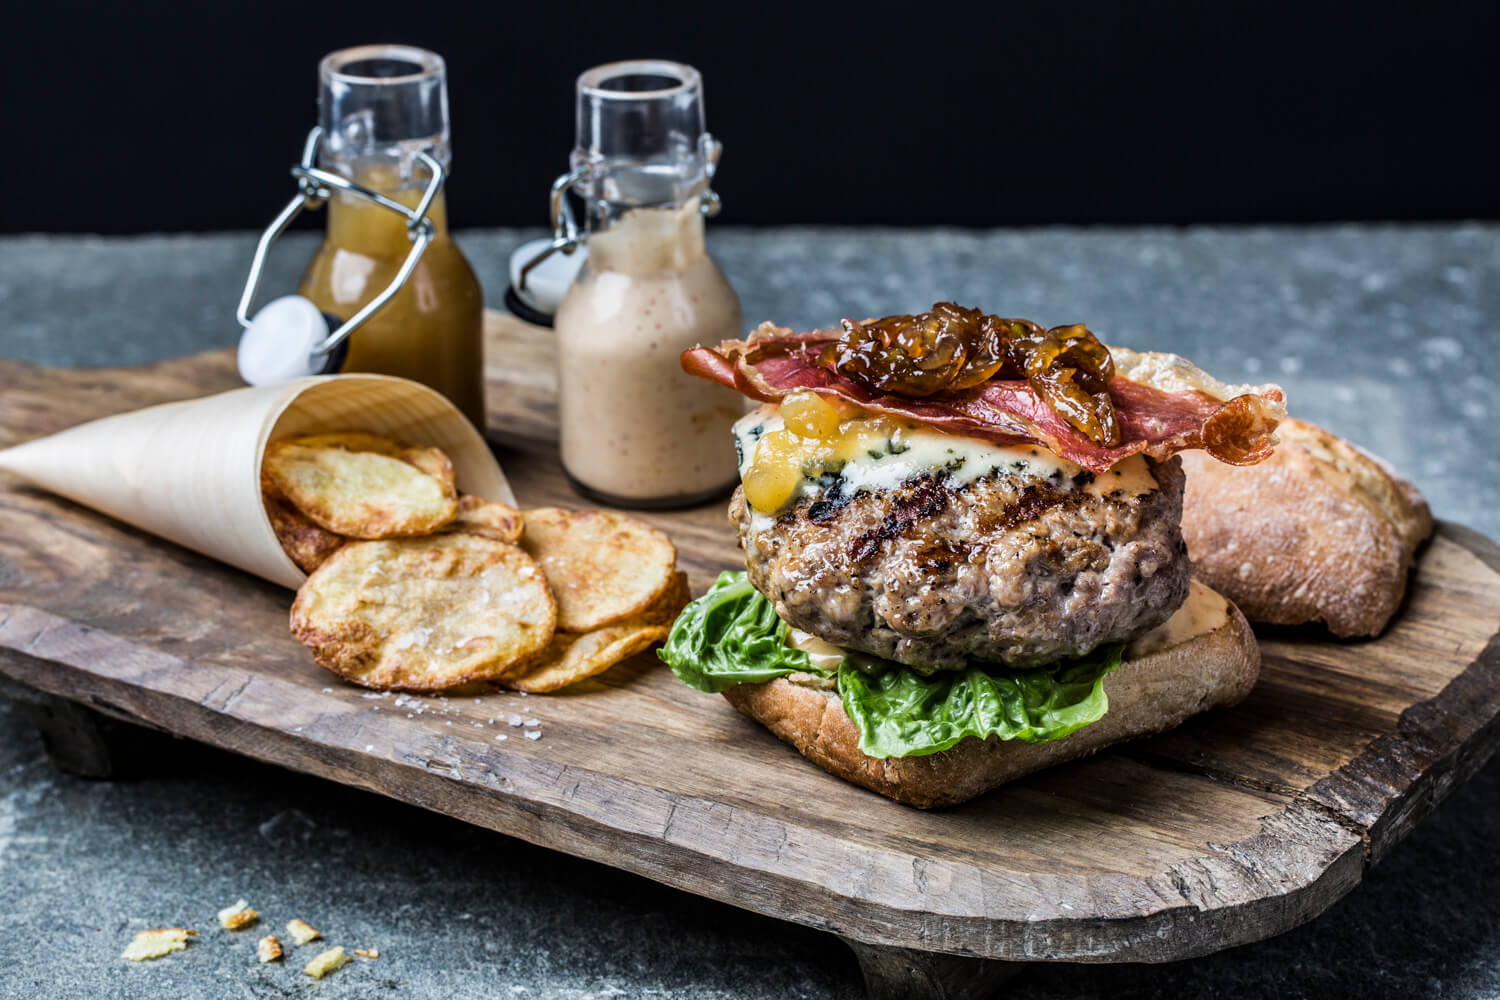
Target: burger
point(963, 548)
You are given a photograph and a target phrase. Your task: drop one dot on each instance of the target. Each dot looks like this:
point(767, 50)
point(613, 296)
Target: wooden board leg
point(80, 740)
point(73, 736)
point(904, 974)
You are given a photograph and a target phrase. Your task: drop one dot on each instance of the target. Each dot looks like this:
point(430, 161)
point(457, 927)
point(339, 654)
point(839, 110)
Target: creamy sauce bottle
point(637, 431)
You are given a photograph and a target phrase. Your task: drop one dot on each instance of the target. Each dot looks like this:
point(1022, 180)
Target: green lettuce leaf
point(900, 713)
point(732, 635)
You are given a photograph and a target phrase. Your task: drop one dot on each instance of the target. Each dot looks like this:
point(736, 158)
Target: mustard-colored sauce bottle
point(380, 105)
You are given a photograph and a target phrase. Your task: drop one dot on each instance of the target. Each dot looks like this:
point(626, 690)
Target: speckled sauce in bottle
point(637, 431)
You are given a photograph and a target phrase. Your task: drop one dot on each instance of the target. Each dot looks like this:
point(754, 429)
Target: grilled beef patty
point(1011, 568)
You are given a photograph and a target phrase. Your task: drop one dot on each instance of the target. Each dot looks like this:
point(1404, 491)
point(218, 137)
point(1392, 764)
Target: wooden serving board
point(1237, 826)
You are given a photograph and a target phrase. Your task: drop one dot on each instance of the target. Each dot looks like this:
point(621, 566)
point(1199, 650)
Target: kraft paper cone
point(190, 471)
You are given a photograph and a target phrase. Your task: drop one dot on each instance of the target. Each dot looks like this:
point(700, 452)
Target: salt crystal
point(328, 690)
point(448, 723)
point(534, 735)
point(369, 747)
point(478, 725)
point(532, 723)
point(514, 720)
point(501, 736)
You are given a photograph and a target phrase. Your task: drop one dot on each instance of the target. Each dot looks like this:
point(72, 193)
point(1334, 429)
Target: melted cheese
point(779, 466)
point(1202, 612)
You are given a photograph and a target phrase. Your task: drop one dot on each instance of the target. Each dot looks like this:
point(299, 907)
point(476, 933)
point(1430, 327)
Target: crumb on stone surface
point(326, 962)
point(302, 932)
point(238, 916)
point(156, 943)
point(268, 949)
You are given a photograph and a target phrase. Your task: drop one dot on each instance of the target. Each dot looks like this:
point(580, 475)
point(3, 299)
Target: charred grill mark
point(925, 499)
point(1032, 504)
point(827, 509)
point(939, 557)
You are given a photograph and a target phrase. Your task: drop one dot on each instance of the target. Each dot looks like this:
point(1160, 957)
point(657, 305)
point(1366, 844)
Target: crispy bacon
point(774, 362)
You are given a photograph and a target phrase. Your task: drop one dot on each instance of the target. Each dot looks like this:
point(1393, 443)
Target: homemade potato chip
point(603, 567)
point(433, 461)
point(490, 518)
point(364, 486)
point(424, 614)
point(572, 658)
point(665, 609)
point(304, 540)
point(268, 949)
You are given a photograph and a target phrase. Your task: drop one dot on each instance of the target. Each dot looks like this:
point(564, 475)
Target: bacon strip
point(775, 362)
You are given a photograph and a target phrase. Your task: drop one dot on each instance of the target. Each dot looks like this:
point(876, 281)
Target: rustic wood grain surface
point(1236, 826)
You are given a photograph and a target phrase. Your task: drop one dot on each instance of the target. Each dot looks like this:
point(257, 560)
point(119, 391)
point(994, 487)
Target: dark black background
point(159, 116)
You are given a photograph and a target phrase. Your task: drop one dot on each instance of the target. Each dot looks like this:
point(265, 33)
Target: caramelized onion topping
point(952, 348)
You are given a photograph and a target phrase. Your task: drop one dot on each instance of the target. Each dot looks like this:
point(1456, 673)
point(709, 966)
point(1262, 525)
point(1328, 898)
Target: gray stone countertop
point(1381, 333)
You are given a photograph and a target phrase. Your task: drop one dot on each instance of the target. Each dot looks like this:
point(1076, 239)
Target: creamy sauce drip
point(1202, 612)
point(821, 654)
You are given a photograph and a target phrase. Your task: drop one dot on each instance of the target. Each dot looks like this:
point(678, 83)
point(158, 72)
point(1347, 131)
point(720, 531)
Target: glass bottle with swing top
point(395, 293)
point(637, 431)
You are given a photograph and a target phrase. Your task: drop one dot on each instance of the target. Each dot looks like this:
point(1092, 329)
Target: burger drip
point(636, 430)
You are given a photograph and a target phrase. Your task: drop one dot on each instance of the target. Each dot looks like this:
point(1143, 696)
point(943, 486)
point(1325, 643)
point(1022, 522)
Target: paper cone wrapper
point(190, 471)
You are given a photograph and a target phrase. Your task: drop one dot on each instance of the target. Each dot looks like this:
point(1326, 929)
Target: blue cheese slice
point(880, 453)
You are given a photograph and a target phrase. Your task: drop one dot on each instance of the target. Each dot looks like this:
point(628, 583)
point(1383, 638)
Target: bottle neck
point(645, 240)
point(358, 223)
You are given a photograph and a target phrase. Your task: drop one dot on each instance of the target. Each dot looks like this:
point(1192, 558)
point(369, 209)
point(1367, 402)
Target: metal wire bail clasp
point(567, 237)
point(314, 187)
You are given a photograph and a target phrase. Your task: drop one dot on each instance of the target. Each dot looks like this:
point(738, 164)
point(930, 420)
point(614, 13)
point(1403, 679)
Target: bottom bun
point(1148, 694)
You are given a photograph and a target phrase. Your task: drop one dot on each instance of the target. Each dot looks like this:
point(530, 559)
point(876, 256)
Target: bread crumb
point(302, 932)
point(269, 949)
point(367, 952)
point(156, 943)
point(237, 917)
point(333, 958)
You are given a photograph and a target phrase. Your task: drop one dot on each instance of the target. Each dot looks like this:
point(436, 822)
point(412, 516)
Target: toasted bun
point(1320, 531)
point(1149, 693)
